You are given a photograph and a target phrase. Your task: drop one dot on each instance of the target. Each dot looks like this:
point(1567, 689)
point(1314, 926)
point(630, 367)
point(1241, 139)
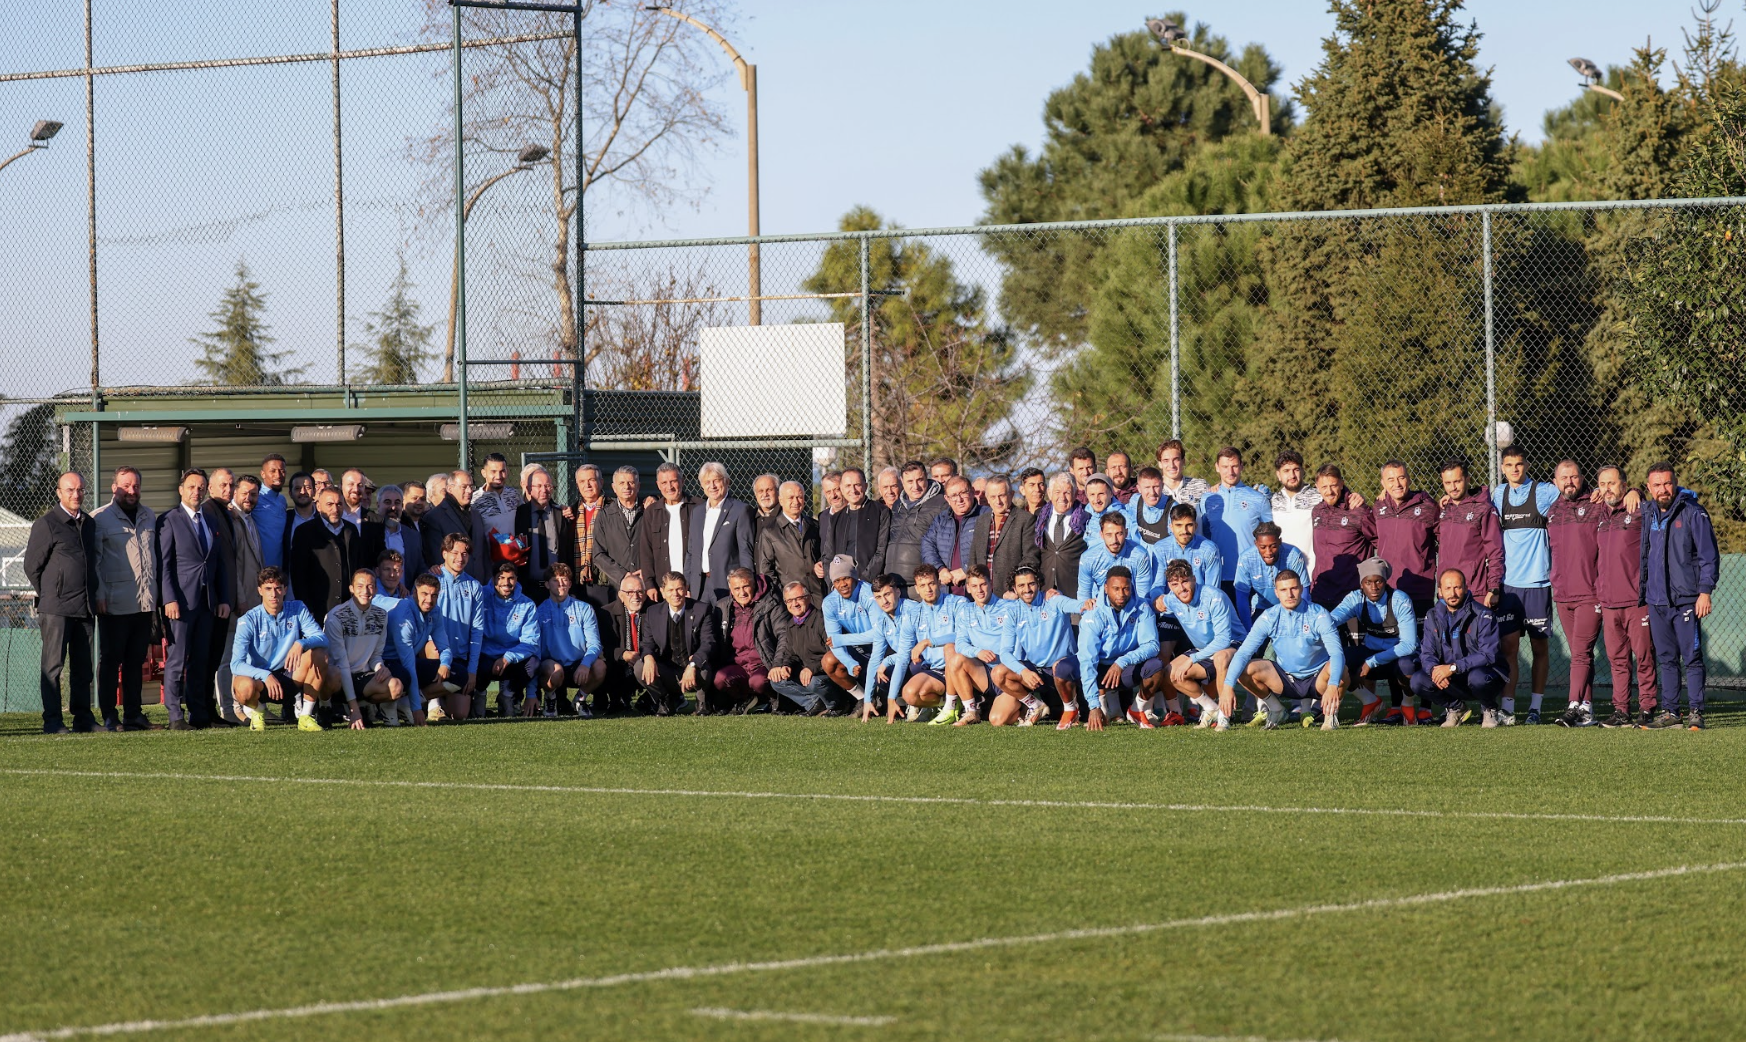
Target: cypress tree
point(397, 345)
point(237, 352)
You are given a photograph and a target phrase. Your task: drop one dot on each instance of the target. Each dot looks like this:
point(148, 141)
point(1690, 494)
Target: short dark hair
point(271, 575)
point(495, 457)
point(1330, 470)
point(1172, 443)
point(977, 571)
point(1268, 528)
point(1453, 463)
point(1287, 573)
point(926, 569)
point(1229, 452)
point(945, 461)
point(427, 580)
point(1120, 571)
point(126, 468)
point(1114, 517)
point(189, 473)
point(1659, 467)
point(248, 479)
point(363, 571)
point(1288, 456)
point(1082, 452)
point(454, 539)
point(272, 457)
point(1030, 472)
point(671, 577)
point(881, 583)
point(561, 570)
point(1180, 511)
point(301, 475)
point(1513, 452)
point(1392, 464)
point(389, 556)
point(913, 465)
point(1178, 569)
point(503, 567)
point(1148, 474)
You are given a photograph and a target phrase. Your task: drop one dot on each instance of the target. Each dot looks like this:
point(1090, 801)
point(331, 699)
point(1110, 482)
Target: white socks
point(249, 712)
point(1508, 703)
point(305, 706)
point(1535, 699)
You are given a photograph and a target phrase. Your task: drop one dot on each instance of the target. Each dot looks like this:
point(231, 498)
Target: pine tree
point(943, 379)
point(1376, 326)
point(397, 345)
point(237, 352)
point(30, 461)
point(1135, 116)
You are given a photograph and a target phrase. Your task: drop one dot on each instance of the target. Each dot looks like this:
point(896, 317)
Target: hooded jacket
point(1465, 638)
point(1680, 559)
point(1406, 537)
point(767, 613)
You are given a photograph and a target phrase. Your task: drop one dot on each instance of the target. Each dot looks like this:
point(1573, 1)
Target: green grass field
point(397, 885)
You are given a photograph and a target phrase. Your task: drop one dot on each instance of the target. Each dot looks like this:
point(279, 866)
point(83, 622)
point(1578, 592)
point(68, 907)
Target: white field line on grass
point(1229, 1038)
point(971, 801)
point(795, 1018)
point(688, 973)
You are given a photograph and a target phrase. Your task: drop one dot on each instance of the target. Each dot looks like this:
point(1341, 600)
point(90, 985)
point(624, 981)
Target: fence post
point(1175, 340)
point(1490, 358)
point(578, 366)
point(866, 359)
point(461, 255)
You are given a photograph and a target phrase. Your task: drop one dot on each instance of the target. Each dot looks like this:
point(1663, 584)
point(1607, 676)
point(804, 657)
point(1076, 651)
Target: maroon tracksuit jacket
point(1619, 557)
point(1406, 537)
point(1343, 537)
point(1570, 525)
point(1470, 537)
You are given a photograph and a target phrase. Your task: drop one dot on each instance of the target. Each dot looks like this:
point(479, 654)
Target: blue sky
point(896, 105)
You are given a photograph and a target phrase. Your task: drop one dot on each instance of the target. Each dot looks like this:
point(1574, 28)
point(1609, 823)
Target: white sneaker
point(1330, 722)
point(911, 713)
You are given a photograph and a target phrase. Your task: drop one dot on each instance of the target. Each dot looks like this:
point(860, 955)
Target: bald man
point(788, 543)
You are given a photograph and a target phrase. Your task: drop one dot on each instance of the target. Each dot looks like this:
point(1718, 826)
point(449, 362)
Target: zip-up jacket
point(1371, 616)
point(1343, 537)
point(512, 627)
point(1406, 537)
point(938, 625)
point(1229, 517)
point(461, 602)
point(910, 520)
point(1469, 539)
point(1465, 638)
point(1680, 559)
point(355, 641)
point(1255, 579)
point(127, 562)
point(849, 621)
point(1573, 528)
point(1206, 559)
point(1619, 559)
point(1039, 632)
point(1095, 563)
point(1303, 641)
point(272, 515)
point(262, 641)
point(949, 533)
point(893, 641)
point(1294, 513)
point(569, 632)
point(409, 630)
point(980, 626)
point(1125, 637)
point(1209, 621)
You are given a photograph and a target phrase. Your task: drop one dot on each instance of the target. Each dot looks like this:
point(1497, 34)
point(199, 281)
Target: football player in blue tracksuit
point(849, 610)
point(1038, 672)
point(935, 629)
point(1383, 632)
point(1212, 631)
point(1309, 660)
point(1114, 548)
point(509, 652)
point(1259, 566)
point(1118, 651)
point(894, 630)
point(981, 621)
point(1230, 511)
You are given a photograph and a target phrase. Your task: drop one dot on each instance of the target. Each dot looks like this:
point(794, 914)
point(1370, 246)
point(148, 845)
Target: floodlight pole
point(1258, 102)
point(20, 155)
point(460, 291)
point(1607, 91)
point(749, 83)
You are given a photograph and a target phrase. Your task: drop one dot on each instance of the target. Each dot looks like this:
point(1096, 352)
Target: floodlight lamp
point(531, 155)
point(1167, 31)
point(1586, 69)
point(44, 129)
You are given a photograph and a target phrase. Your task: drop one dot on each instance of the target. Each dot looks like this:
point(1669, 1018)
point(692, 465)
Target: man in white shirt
point(495, 501)
point(721, 536)
point(1292, 505)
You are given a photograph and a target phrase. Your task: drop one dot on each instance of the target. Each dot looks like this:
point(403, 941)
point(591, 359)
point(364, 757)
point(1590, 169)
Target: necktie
point(1060, 528)
point(200, 531)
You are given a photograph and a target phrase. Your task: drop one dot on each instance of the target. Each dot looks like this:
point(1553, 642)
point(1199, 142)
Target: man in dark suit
point(720, 536)
point(859, 530)
point(550, 537)
point(220, 489)
point(788, 544)
point(392, 527)
point(618, 532)
point(455, 515)
point(60, 559)
point(324, 553)
point(666, 530)
point(1060, 537)
point(678, 648)
point(621, 646)
point(1003, 538)
point(194, 588)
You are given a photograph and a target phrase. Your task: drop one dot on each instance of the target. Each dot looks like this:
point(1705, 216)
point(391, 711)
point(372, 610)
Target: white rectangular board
point(774, 381)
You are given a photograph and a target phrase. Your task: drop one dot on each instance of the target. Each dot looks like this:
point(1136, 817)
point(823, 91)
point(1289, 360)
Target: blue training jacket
point(1255, 579)
point(1039, 632)
point(1096, 561)
point(1382, 650)
point(893, 642)
point(569, 632)
point(512, 627)
point(1127, 637)
point(408, 631)
point(1200, 553)
point(263, 640)
point(1303, 642)
point(938, 625)
point(1228, 518)
point(461, 602)
point(1679, 556)
point(1209, 621)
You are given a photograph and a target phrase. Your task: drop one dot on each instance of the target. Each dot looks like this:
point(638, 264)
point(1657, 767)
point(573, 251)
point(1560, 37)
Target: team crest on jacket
point(1417, 511)
point(1469, 516)
point(1581, 511)
point(1344, 521)
point(1201, 615)
point(1306, 628)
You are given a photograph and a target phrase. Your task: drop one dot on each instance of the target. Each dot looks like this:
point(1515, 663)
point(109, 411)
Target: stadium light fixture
point(340, 432)
point(1173, 36)
point(478, 431)
point(39, 139)
point(1591, 78)
point(157, 435)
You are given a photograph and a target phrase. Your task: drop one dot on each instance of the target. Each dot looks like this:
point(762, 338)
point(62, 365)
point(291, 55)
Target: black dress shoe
point(85, 727)
point(111, 724)
point(219, 721)
point(142, 724)
point(181, 725)
point(56, 729)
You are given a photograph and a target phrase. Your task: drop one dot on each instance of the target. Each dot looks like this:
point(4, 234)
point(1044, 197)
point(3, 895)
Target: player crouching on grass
point(509, 652)
point(935, 630)
point(1118, 651)
point(1461, 655)
point(357, 633)
point(418, 651)
point(1309, 660)
point(977, 643)
point(849, 610)
point(1037, 674)
point(569, 644)
point(280, 652)
point(893, 642)
point(1383, 631)
point(1208, 620)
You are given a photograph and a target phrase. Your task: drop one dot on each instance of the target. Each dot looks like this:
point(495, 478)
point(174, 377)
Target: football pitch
point(753, 878)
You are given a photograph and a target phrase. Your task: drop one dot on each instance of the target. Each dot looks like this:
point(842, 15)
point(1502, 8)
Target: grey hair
point(668, 467)
point(712, 467)
point(628, 469)
point(773, 477)
point(385, 489)
point(786, 485)
point(438, 480)
point(796, 585)
point(1059, 479)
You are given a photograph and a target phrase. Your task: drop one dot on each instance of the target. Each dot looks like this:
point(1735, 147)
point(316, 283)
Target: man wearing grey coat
point(127, 600)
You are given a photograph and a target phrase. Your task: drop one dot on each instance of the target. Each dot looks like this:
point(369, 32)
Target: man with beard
point(1118, 467)
point(1618, 588)
point(1679, 569)
point(495, 501)
point(1293, 505)
point(126, 597)
point(1406, 535)
point(270, 510)
point(324, 554)
point(455, 516)
point(922, 501)
point(301, 513)
point(859, 531)
point(1343, 535)
point(1573, 533)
